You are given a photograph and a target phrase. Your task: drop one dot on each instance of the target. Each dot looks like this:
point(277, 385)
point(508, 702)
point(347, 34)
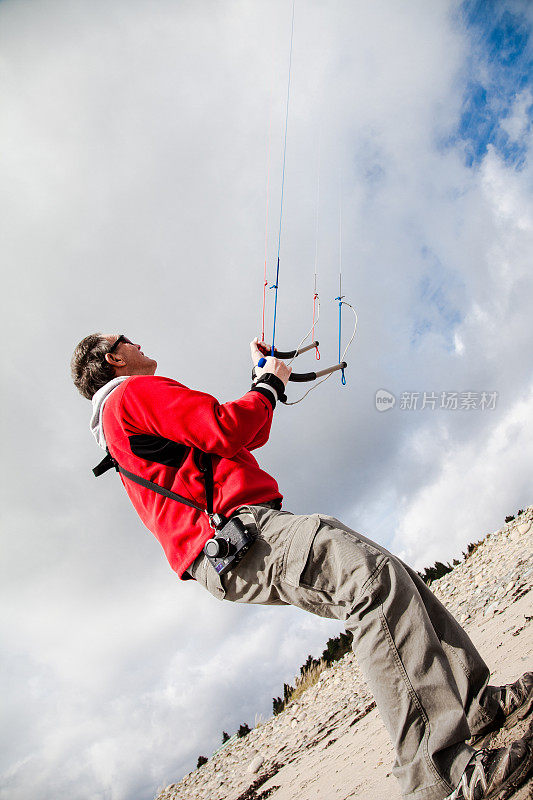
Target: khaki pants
point(428, 680)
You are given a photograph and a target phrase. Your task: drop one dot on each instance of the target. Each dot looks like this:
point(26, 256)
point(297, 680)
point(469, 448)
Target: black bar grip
point(304, 377)
point(283, 354)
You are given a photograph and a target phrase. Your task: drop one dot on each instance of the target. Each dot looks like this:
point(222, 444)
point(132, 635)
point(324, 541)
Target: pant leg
point(469, 670)
point(318, 564)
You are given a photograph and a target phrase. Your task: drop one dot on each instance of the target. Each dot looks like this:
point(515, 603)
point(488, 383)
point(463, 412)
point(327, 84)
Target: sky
point(138, 141)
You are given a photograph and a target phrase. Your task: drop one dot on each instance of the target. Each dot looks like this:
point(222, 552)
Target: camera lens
point(216, 548)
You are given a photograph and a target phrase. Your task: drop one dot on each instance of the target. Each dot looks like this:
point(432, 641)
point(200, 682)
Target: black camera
point(228, 545)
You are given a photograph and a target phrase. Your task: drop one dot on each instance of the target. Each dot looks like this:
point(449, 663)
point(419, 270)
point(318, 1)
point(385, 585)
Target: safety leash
point(270, 349)
point(316, 298)
point(215, 520)
point(276, 284)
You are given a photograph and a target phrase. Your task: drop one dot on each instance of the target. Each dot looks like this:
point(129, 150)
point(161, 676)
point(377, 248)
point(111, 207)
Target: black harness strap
point(108, 462)
point(206, 467)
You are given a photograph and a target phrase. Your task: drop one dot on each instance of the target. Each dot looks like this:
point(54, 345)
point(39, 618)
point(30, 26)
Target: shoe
point(495, 774)
point(515, 702)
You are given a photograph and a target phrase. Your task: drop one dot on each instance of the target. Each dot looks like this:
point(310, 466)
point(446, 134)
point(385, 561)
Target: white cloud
point(516, 124)
point(478, 484)
point(134, 173)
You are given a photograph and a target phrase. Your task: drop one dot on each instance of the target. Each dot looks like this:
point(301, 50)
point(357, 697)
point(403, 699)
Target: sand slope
point(331, 744)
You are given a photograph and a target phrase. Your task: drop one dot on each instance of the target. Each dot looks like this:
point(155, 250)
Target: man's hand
point(272, 365)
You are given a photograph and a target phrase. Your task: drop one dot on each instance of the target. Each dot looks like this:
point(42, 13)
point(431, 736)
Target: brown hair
point(88, 367)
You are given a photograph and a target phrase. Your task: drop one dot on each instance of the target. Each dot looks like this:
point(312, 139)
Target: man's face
point(128, 358)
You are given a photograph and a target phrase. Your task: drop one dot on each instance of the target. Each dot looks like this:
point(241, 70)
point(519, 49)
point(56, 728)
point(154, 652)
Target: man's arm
point(166, 408)
point(270, 380)
point(163, 407)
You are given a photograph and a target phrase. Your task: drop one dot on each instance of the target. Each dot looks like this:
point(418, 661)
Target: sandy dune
point(331, 743)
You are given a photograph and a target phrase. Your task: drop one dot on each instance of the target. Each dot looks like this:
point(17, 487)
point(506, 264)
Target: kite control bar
point(283, 354)
point(300, 377)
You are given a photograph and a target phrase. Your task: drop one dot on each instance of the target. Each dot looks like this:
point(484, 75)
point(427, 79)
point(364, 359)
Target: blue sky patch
point(438, 302)
point(498, 70)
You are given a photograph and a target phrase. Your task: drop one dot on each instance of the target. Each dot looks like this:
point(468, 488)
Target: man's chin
point(147, 368)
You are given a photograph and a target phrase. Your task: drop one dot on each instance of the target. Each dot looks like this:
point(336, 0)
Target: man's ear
point(115, 360)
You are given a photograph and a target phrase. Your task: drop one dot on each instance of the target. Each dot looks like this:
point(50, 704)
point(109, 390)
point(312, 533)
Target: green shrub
point(472, 547)
point(335, 649)
point(278, 704)
point(431, 574)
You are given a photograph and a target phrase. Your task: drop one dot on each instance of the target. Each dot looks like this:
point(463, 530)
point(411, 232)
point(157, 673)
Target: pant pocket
point(299, 542)
point(329, 562)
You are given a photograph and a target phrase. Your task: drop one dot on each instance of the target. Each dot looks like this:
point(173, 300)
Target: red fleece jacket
point(162, 407)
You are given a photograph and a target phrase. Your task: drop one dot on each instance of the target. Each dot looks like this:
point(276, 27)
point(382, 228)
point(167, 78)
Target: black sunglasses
point(120, 339)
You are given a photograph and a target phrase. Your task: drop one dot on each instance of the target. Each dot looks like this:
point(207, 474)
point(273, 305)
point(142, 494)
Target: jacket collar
point(98, 401)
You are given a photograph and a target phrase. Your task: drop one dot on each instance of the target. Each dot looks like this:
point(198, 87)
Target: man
point(430, 683)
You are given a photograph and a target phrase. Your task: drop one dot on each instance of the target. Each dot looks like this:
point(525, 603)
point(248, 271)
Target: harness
point(168, 453)
point(230, 540)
